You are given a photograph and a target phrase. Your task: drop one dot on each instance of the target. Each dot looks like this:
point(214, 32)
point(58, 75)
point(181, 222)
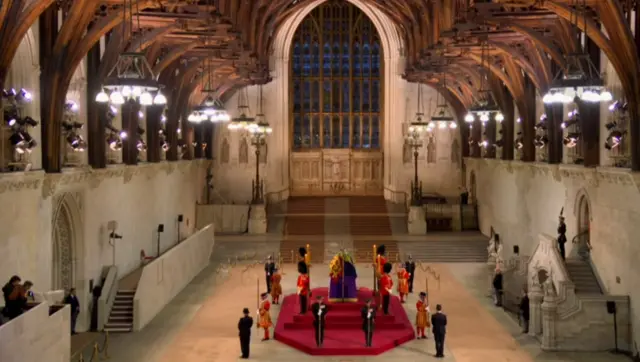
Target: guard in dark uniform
point(269, 268)
point(244, 331)
point(410, 267)
point(368, 313)
point(319, 310)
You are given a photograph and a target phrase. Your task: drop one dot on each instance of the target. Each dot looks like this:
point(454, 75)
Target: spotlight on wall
point(540, 141)
point(571, 140)
point(140, 145)
point(518, 143)
point(115, 137)
point(73, 137)
point(22, 142)
point(160, 231)
point(542, 124)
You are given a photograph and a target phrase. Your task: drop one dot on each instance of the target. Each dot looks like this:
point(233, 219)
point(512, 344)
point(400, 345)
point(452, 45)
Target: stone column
point(535, 310)
point(491, 267)
point(417, 223)
point(549, 317)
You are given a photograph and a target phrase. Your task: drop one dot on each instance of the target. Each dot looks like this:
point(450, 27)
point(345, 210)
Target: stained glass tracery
point(336, 79)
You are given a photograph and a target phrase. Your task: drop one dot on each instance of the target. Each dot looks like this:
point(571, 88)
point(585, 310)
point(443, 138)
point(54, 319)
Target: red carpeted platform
point(343, 333)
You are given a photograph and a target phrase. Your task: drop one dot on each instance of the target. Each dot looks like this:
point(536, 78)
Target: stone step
point(583, 277)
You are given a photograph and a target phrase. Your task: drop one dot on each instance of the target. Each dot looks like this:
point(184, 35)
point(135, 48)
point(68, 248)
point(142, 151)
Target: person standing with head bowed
point(303, 286)
point(368, 314)
point(439, 326)
point(386, 288)
point(264, 315)
point(319, 310)
point(269, 268)
point(422, 316)
point(244, 332)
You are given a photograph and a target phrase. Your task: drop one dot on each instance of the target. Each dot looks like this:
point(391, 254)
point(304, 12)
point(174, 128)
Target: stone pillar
point(258, 219)
point(549, 316)
point(535, 310)
point(417, 223)
point(491, 268)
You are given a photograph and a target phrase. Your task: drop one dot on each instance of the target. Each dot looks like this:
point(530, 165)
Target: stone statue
point(431, 150)
point(224, 152)
point(495, 247)
point(455, 152)
point(548, 288)
point(335, 168)
point(243, 152)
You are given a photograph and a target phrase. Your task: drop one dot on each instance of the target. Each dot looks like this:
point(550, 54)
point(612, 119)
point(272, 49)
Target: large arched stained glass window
point(336, 80)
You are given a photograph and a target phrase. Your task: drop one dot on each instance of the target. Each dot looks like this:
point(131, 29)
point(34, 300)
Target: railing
point(108, 296)
point(399, 197)
point(99, 352)
point(275, 197)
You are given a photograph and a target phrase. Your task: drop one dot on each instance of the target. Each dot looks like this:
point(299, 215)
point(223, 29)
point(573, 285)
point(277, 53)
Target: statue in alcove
point(224, 152)
point(455, 152)
point(243, 152)
point(431, 149)
point(406, 153)
point(263, 153)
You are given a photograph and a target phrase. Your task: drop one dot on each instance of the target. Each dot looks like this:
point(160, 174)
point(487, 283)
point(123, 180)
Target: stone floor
point(200, 324)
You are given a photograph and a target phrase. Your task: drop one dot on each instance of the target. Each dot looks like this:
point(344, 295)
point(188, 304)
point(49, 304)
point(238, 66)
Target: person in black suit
point(269, 268)
point(410, 267)
point(368, 321)
point(524, 312)
point(497, 287)
point(319, 310)
point(244, 331)
point(72, 300)
point(439, 327)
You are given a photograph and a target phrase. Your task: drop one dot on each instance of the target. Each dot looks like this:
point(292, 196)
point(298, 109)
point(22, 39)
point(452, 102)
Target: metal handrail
point(98, 352)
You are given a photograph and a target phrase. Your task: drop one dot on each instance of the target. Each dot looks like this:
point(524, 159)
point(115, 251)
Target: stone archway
point(584, 226)
point(67, 248)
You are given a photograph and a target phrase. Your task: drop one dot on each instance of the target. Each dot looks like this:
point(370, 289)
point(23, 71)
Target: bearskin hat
point(263, 295)
point(302, 267)
point(387, 268)
point(423, 294)
point(381, 249)
point(302, 251)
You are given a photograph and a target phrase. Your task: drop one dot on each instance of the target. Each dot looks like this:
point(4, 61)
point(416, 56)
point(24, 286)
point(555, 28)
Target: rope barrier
point(98, 353)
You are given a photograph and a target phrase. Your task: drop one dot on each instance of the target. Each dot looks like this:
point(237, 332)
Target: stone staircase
point(241, 251)
point(364, 250)
point(369, 216)
point(583, 277)
point(121, 316)
point(447, 251)
point(289, 250)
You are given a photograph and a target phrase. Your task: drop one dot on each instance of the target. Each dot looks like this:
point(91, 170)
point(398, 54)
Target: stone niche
point(521, 200)
point(55, 226)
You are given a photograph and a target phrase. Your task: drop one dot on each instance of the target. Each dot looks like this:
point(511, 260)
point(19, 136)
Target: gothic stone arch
point(68, 246)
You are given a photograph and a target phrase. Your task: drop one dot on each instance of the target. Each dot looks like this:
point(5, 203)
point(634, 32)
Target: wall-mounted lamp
point(160, 231)
point(180, 220)
point(113, 236)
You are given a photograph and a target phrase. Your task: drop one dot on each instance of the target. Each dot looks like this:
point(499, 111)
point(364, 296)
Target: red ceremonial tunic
point(303, 284)
point(386, 283)
point(381, 262)
point(403, 281)
point(422, 317)
point(265, 316)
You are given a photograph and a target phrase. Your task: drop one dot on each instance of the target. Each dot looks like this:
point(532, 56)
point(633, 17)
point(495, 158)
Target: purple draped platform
point(350, 290)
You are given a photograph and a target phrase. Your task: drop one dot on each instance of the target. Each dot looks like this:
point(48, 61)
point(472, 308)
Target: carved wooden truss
point(528, 40)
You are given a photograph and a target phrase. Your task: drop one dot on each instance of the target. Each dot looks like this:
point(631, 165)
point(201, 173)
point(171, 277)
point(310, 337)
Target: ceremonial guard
point(381, 260)
point(303, 286)
point(269, 266)
point(276, 288)
point(410, 266)
point(319, 310)
point(403, 282)
point(264, 316)
point(386, 288)
point(562, 235)
point(368, 322)
point(422, 317)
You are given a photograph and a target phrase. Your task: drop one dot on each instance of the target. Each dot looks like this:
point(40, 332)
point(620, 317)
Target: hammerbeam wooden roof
point(441, 39)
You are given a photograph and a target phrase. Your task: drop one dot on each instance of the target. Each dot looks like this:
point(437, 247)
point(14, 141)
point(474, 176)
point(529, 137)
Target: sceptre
point(258, 301)
point(307, 257)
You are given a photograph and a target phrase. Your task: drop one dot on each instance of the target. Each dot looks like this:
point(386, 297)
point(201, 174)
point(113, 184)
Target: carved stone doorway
point(65, 231)
point(584, 227)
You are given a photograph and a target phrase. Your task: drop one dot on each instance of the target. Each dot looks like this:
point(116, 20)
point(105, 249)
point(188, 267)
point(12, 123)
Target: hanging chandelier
point(210, 110)
point(260, 128)
point(131, 78)
point(485, 107)
point(442, 115)
point(419, 124)
point(581, 80)
point(243, 121)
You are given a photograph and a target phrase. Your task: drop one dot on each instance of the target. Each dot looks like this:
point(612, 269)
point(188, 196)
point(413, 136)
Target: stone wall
point(36, 336)
point(522, 200)
point(163, 278)
point(55, 226)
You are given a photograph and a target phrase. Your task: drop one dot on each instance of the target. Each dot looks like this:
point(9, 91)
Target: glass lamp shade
point(146, 99)
point(102, 97)
point(116, 98)
point(469, 118)
point(160, 99)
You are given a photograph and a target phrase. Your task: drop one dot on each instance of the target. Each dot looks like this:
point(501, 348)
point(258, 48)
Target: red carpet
point(343, 333)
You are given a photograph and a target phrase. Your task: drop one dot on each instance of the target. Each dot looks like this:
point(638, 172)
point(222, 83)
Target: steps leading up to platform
point(289, 250)
point(364, 250)
point(377, 220)
point(583, 277)
point(449, 251)
point(343, 327)
point(304, 225)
